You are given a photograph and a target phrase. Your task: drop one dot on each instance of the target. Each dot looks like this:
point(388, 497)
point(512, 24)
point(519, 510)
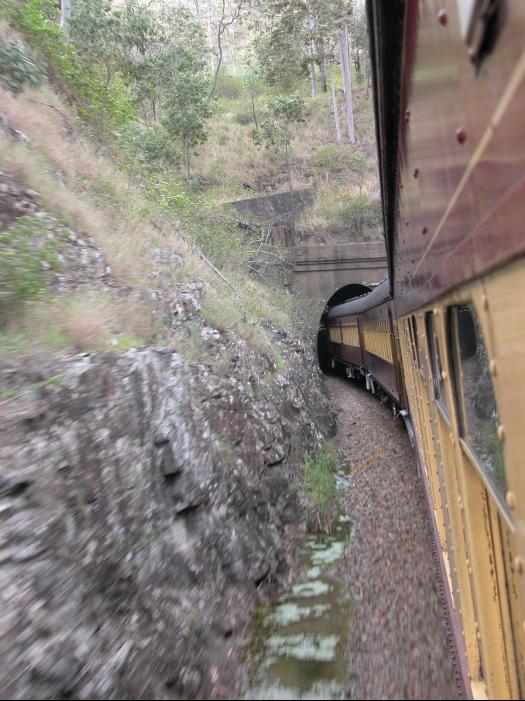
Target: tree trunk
point(232, 45)
point(210, 32)
point(253, 109)
point(322, 68)
point(187, 159)
point(311, 66)
point(288, 169)
point(334, 104)
point(347, 80)
point(311, 52)
point(65, 14)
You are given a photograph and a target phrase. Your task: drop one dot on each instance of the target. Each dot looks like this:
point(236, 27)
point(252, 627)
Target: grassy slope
point(128, 216)
point(232, 167)
point(83, 189)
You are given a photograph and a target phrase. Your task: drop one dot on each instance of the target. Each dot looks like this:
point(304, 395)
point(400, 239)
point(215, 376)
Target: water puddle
point(298, 645)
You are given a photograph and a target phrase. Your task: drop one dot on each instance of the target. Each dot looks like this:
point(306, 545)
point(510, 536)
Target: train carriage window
point(472, 382)
point(411, 339)
point(436, 365)
point(416, 343)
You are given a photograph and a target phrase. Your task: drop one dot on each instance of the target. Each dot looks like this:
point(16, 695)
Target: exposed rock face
point(15, 201)
point(144, 504)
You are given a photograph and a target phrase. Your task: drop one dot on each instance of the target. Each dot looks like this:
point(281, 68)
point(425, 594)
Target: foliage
point(343, 211)
point(187, 110)
point(357, 28)
point(284, 112)
point(148, 148)
point(277, 128)
point(321, 486)
point(28, 256)
point(18, 68)
point(157, 47)
point(229, 87)
point(330, 158)
point(360, 213)
point(105, 103)
point(299, 34)
point(281, 63)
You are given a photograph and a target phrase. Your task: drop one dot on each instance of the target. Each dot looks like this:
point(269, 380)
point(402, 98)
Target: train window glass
point(416, 342)
point(411, 338)
point(436, 365)
point(478, 411)
point(466, 16)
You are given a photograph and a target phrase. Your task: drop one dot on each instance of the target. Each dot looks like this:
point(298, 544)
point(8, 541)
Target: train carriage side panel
point(380, 360)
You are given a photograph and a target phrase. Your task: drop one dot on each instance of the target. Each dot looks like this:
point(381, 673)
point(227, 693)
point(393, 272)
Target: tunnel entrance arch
point(343, 294)
point(346, 293)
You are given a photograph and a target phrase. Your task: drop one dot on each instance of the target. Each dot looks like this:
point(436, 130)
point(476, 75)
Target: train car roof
point(386, 30)
point(363, 303)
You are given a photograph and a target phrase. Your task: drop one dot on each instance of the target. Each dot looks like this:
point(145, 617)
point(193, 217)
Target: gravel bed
point(398, 641)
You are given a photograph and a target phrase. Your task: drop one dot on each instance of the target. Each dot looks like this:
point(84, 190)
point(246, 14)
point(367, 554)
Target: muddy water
point(299, 643)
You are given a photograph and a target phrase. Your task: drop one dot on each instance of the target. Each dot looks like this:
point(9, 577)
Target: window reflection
point(435, 363)
point(478, 411)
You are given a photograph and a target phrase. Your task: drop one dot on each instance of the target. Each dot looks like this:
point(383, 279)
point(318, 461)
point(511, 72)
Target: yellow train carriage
point(464, 358)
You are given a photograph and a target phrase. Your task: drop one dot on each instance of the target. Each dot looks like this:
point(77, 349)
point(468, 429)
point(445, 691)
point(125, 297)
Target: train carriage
point(444, 338)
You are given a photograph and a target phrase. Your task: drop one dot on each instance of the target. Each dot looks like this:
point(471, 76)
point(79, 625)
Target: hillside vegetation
point(142, 160)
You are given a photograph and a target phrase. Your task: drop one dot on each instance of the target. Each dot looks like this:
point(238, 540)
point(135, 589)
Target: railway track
point(401, 644)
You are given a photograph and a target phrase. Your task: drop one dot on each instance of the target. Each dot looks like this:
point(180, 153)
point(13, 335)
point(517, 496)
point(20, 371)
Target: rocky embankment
point(147, 503)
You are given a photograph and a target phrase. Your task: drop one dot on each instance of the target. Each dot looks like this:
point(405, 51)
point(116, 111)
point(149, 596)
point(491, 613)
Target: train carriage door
point(487, 518)
point(396, 359)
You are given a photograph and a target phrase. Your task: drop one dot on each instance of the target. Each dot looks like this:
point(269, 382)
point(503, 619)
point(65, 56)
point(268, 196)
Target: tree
point(281, 61)
point(226, 20)
point(250, 83)
point(65, 13)
point(312, 26)
point(277, 128)
point(187, 110)
point(175, 44)
point(347, 80)
point(334, 105)
point(142, 46)
point(359, 42)
point(94, 31)
point(18, 69)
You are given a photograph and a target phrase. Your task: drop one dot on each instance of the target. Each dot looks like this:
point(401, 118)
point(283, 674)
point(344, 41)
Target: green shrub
point(28, 257)
point(229, 87)
point(148, 147)
point(217, 236)
point(106, 103)
point(330, 158)
point(359, 213)
point(341, 211)
point(321, 487)
point(18, 69)
point(244, 117)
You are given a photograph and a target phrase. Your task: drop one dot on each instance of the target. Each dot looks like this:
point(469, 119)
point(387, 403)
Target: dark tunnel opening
point(343, 294)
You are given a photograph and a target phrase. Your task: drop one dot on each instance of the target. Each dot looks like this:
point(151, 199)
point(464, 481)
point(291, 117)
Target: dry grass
point(81, 187)
point(230, 160)
point(188, 342)
point(88, 322)
point(62, 166)
point(332, 218)
point(246, 317)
